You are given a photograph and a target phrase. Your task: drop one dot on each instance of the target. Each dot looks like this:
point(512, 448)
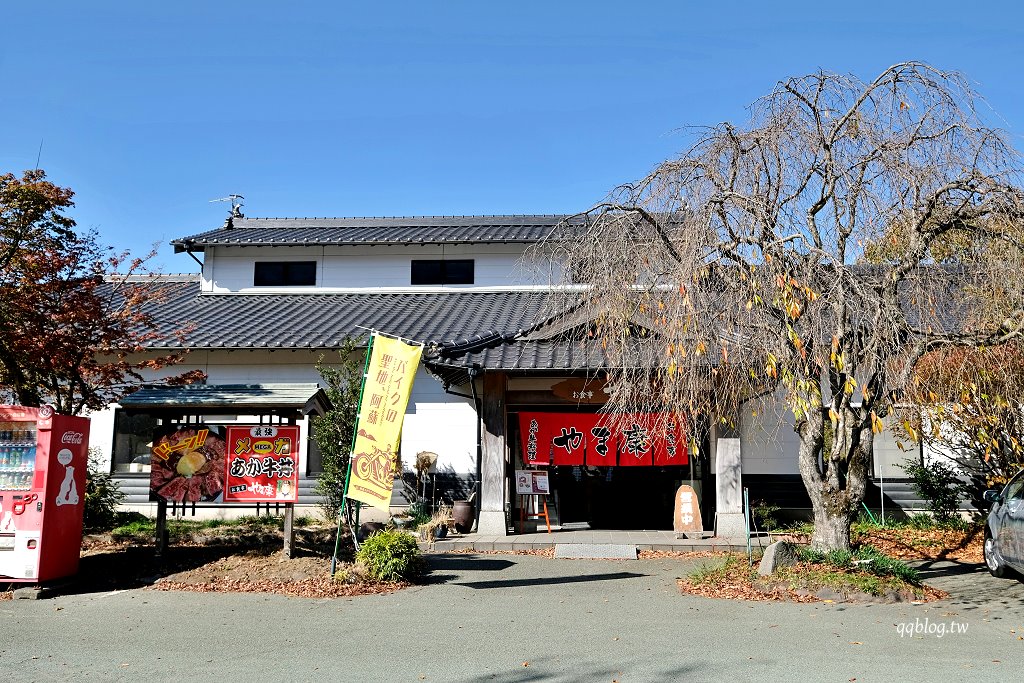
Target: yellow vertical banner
point(386, 390)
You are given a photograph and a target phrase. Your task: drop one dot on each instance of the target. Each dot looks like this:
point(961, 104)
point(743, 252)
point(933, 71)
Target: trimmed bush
point(102, 496)
point(391, 555)
point(940, 486)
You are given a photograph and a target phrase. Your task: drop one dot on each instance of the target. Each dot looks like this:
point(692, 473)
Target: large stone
point(781, 554)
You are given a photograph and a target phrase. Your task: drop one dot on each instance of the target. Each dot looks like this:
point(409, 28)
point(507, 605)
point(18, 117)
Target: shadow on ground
point(544, 670)
point(448, 568)
point(127, 566)
point(550, 580)
point(464, 563)
point(970, 586)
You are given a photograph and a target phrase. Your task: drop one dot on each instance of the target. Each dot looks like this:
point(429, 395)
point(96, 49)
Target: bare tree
point(746, 259)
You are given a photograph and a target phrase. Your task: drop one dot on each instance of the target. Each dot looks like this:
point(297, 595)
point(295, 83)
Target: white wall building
point(276, 294)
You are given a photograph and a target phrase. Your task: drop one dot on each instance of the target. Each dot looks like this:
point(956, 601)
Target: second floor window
point(284, 274)
point(442, 272)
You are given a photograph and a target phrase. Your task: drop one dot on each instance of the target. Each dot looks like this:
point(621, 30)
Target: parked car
point(1004, 528)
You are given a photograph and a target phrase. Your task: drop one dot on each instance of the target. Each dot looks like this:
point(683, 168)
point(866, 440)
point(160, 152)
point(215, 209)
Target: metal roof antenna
point(237, 202)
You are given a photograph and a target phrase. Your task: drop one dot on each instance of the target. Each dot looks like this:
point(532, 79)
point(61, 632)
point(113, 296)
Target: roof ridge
point(414, 216)
point(150, 277)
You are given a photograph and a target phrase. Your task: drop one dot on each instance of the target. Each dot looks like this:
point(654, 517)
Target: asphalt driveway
point(519, 618)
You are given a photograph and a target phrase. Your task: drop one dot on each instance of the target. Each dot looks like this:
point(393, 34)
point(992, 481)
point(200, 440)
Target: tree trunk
point(833, 503)
point(831, 527)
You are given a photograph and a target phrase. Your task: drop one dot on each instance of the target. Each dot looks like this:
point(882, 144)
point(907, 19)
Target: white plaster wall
point(889, 456)
point(767, 441)
point(101, 435)
point(445, 427)
point(230, 269)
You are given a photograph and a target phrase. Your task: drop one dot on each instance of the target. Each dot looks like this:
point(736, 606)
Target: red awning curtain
point(634, 440)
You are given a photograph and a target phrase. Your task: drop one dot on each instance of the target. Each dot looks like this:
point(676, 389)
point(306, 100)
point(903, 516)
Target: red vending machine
point(42, 490)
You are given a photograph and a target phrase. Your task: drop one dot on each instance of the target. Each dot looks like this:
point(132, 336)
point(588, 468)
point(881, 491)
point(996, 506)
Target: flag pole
point(348, 469)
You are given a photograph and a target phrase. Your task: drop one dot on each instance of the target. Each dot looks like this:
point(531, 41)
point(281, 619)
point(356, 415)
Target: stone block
point(780, 554)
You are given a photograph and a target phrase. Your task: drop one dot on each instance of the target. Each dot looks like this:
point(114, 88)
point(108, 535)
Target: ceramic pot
point(463, 514)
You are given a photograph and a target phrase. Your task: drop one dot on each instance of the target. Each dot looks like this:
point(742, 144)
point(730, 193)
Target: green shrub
point(940, 486)
point(714, 573)
point(922, 521)
point(102, 496)
point(808, 554)
point(841, 559)
point(332, 432)
point(766, 515)
point(391, 555)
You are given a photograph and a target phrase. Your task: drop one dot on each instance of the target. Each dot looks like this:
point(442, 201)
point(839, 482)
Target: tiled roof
point(355, 231)
point(323, 321)
point(305, 397)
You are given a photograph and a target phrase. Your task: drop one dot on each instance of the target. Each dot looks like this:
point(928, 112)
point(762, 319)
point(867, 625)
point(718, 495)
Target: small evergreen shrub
point(391, 555)
point(102, 496)
point(766, 515)
point(940, 486)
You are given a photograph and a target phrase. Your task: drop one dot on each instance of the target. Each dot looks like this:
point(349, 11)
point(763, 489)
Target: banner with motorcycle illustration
point(386, 389)
point(261, 464)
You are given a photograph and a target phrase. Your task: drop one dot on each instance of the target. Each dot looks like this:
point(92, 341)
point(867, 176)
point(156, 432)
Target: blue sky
point(150, 110)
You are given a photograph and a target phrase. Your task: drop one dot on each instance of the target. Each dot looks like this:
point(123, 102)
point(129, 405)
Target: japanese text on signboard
point(261, 463)
point(602, 439)
point(386, 390)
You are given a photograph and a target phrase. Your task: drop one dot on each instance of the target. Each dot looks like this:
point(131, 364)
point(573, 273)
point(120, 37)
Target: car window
point(1015, 489)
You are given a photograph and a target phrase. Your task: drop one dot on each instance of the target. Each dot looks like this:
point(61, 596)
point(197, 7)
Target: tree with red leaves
point(73, 324)
point(970, 407)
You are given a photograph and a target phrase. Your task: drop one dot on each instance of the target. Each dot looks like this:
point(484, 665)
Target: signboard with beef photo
point(187, 464)
point(261, 464)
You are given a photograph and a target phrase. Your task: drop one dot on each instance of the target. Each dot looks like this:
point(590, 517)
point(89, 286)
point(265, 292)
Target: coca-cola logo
point(71, 437)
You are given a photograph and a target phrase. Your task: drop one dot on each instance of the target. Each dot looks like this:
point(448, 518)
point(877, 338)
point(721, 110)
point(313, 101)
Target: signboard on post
point(532, 483)
point(386, 389)
point(262, 464)
point(187, 464)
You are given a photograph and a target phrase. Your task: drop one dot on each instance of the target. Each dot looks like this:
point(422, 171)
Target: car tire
point(992, 561)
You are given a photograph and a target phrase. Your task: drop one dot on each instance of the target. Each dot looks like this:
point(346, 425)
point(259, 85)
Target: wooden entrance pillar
point(494, 447)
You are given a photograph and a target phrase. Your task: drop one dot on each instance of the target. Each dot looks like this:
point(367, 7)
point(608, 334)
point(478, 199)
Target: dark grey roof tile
point(356, 231)
point(303, 321)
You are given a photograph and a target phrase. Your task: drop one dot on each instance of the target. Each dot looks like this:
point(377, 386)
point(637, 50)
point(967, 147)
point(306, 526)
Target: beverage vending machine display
point(42, 485)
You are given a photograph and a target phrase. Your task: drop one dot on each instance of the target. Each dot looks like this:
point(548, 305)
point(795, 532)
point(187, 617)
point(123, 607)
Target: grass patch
point(812, 578)
point(133, 530)
point(865, 571)
point(865, 559)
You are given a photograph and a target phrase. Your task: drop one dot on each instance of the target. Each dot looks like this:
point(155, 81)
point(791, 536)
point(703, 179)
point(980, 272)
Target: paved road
point(515, 619)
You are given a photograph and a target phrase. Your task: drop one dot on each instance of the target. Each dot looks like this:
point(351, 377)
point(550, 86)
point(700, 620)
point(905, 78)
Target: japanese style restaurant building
point(504, 384)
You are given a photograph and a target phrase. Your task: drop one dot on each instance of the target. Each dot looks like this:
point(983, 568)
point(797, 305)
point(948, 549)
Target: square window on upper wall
point(284, 274)
point(442, 272)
